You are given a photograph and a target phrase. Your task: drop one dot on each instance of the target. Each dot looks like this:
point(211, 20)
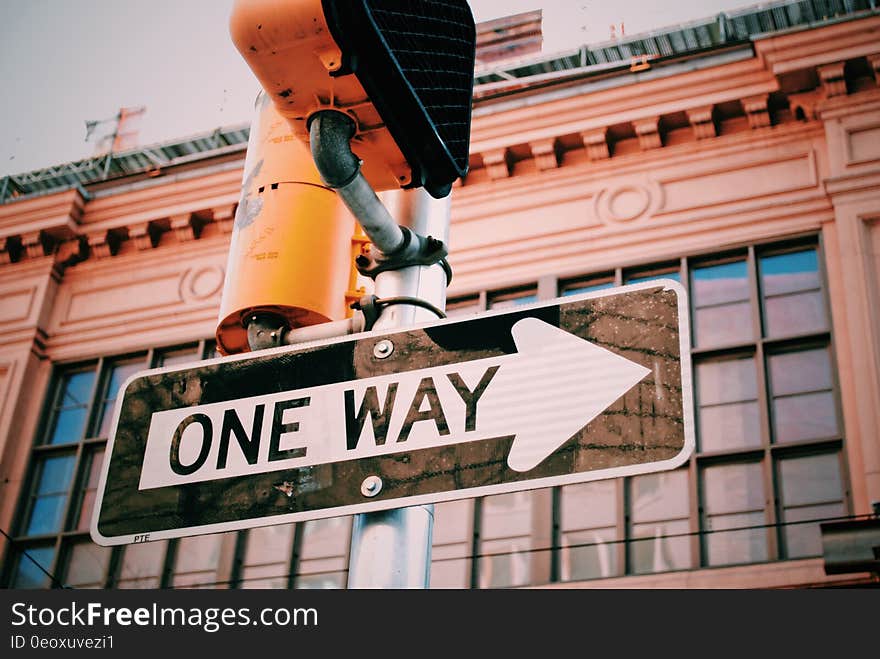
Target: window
point(728, 412)
point(812, 489)
point(267, 557)
point(323, 558)
point(509, 299)
point(659, 522)
point(506, 539)
point(588, 531)
point(56, 506)
point(722, 313)
point(734, 514)
point(452, 540)
point(803, 400)
point(792, 293)
point(588, 285)
point(768, 465)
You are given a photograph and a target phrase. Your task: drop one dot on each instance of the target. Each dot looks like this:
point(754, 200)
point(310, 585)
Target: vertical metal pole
point(392, 548)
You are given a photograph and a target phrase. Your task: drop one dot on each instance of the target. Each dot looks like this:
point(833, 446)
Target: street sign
point(571, 390)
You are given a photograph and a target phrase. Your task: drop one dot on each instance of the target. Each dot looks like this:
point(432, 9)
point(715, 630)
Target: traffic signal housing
point(402, 70)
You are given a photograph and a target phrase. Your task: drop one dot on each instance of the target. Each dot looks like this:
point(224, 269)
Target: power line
point(556, 547)
point(55, 581)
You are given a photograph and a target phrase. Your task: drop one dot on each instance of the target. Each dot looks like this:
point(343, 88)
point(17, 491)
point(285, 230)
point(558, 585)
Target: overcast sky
point(65, 62)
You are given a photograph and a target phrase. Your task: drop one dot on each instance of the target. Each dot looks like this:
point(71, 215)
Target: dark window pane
point(659, 508)
point(267, 557)
point(588, 505)
point(659, 496)
point(719, 284)
point(588, 517)
point(77, 388)
point(638, 279)
point(507, 526)
point(69, 418)
point(69, 424)
point(28, 574)
point(792, 298)
point(802, 540)
point(453, 530)
point(589, 554)
point(657, 552)
point(88, 497)
point(50, 495)
point(460, 308)
point(323, 553)
point(723, 325)
point(787, 273)
point(142, 565)
point(811, 489)
point(805, 416)
point(507, 301)
point(177, 357)
point(733, 498)
point(120, 374)
point(197, 560)
point(729, 426)
point(748, 545)
point(810, 480)
point(728, 408)
point(803, 404)
point(799, 313)
point(575, 289)
point(798, 372)
point(728, 381)
point(87, 565)
point(733, 488)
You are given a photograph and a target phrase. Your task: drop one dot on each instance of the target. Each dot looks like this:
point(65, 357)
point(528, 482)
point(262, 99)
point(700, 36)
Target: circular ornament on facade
point(201, 283)
point(627, 202)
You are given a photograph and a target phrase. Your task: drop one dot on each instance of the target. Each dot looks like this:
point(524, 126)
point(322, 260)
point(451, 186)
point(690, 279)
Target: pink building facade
point(745, 164)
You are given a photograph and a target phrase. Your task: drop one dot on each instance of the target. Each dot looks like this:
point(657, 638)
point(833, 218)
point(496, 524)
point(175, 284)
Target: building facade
point(739, 155)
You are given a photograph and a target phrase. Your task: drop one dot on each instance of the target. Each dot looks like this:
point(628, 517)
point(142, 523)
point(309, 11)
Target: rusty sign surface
point(579, 388)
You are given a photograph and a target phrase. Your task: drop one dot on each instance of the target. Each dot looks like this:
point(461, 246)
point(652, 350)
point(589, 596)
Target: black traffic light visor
point(415, 59)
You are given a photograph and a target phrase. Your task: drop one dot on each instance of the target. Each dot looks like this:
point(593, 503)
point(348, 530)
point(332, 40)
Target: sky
point(66, 62)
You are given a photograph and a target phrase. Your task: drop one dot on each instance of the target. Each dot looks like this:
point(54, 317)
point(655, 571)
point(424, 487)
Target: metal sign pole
point(392, 549)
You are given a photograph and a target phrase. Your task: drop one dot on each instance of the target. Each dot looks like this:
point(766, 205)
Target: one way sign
point(577, 389)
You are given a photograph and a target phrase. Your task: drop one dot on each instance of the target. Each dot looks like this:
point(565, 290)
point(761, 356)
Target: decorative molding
point(833, 80)
point(184, 227)
point(648, 131)
point(99, 245)
point(756, 110)
point(806, 102)
point(497, 164)
point(545, 154)
point(141, 236)
point(32, 243)
point(627, 201)
point(197, 284)
point(224, 216)
point(702, 121)
point(596, 143)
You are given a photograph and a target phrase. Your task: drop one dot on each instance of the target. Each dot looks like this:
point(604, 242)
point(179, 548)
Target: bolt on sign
point(575, 389)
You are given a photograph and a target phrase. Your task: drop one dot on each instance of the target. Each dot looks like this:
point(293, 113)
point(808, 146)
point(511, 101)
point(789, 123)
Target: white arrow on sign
point(554, 385)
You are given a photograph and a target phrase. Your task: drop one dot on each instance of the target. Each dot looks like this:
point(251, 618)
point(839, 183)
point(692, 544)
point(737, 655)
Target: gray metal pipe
point(330, 134)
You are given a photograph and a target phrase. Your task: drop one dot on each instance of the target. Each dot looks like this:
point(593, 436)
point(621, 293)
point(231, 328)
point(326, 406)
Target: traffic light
point(402, 70)
point(280, 265)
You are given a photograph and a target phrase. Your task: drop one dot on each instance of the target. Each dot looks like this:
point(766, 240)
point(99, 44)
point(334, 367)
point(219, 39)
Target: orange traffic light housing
point(402, 70)
point(291, 250)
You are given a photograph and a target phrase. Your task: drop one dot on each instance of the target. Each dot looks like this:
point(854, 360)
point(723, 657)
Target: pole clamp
point(372, 306)
point(415, 250)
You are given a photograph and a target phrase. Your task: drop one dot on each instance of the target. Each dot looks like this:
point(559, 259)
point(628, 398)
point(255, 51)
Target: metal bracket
point(372, 306)
point(415, 250)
